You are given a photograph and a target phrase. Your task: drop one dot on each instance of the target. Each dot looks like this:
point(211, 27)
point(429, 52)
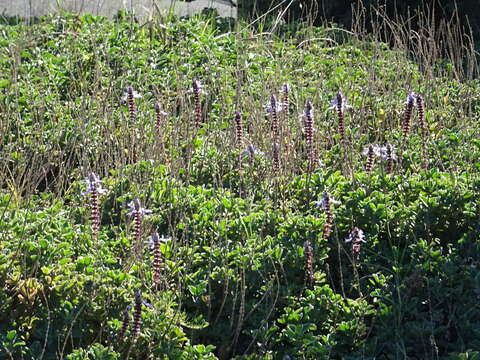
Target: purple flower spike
point(137, 315)
point(409, 105)
point(308, 111)
point(309, 135)
point(157, 263)
point(160, 116)
point(94, 184)
point(129, 97)
point(326, 201)
point(411, 98)
point(309, 274)
point(251, 152)
point(197, 87)
point(159, 111)
point(370, 152)
point(238, 128)
point(197, 90)
point(156, 240)
point(273, 107)
point(137, 212)
point(130, 93)
point(125, 322)
point(94, 189)
point(286, 99)
point(340, 102)
point(421, 113)
point(326, 204)
point(136, 208)
point(356, 237)
point(376, 149)
point(387, 152)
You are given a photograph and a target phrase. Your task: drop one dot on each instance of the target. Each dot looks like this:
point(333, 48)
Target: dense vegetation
point(253, 209)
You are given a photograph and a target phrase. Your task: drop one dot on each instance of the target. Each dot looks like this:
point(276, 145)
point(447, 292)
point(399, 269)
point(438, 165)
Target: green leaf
point(11, 335)
point(43, 243)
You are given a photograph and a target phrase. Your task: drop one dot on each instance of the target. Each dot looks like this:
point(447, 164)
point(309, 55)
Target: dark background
point(340, 11)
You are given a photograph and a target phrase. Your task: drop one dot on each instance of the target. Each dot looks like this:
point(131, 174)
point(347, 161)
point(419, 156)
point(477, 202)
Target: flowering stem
point(287, 141)
point(137, 213)
point(132, 109)
point(309, 278)
point(94, 213)
point(389, 158)
point(137, 230)
point(423, 127)
point(286, 100)
point(125, 323)
point(95, 190)
point(421, 114)
point(327, 229)
point(238, 129)
point(408, 114)
point(137, 315)
point(274, 114)
point(370, 159)
point(356, 237)
point(156, 259)
point(275, 134)
point(276, 158)
point(341, 115)
point(308, 126)
point(239, 137)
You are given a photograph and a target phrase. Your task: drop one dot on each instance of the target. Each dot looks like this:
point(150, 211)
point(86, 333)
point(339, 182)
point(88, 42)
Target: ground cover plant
point(194, 189)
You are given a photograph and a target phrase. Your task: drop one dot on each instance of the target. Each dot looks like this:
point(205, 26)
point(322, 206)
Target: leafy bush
point(244, 267)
